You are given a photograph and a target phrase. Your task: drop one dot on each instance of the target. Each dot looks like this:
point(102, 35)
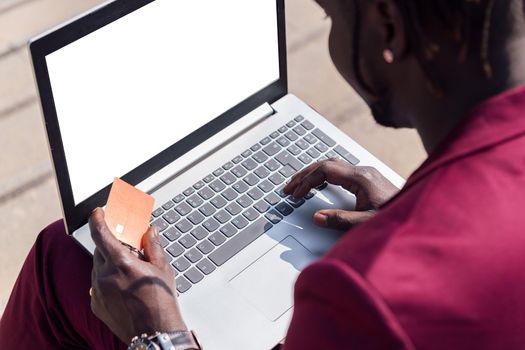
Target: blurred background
point(28, 196)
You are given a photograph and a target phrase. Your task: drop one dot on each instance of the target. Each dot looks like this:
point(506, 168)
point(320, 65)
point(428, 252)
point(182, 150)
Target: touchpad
point(268, 283)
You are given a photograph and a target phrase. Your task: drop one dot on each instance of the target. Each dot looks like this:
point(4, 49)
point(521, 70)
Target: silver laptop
point(188, 101)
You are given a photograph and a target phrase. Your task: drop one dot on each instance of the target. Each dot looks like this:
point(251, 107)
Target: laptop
point(188, 101)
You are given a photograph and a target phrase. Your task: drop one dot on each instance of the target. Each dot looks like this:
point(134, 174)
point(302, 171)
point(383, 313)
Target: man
point(438, 265)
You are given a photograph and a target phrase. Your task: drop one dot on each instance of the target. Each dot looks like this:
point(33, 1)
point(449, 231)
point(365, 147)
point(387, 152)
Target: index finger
point(108, 245)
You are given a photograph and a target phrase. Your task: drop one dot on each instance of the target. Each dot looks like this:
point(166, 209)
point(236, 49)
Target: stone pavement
point(28, 196)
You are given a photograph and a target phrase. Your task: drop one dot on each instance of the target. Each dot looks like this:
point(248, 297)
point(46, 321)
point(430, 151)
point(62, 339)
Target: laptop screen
point(133, 88)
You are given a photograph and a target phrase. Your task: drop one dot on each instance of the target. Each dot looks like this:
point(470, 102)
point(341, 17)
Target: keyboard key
point(228, 230)
point(217, 186)
point(321, 147)
point(228, 179)
point(295, 202)
point(244, 201)
point(272, 149)
point(251, 214)
point(160, 224)
point(198, 185)
point(188, 241)
point(283, 129)
point(217, 238)
point(266, 141)
point(272, 199)
point(240, 222)
point(310, 195)
point(175, 249)
point(249, 164)
point(207, 209)
point(305, 158)
point(222, 216)
point(255, 193)
point(171, 217)
point(299, 130)
point(280, 192)
point(172, 234)
point(206, 193)
point(209, 178)
point(274, 217)
point(163, 242)
point(227, 166)
point(181, 264)
point(302, 144)
point(240, 186)
point(275, 135)
point(194, 201)
point(246, 153)
point(218, 172)
point(312, 152)
point(299, 118)
point(196, 217)
point(240, 241)
point(283, 141)
point(239, 171)
point(311, 139)
point(262, 172)
point(272, 165)
point(182, 284)
point(255, 147)
point(284, 208)
point(277, 179)
point(157, 212)
point(230, 194)
point(194, 275)
point(211, 224)
point(233, 208)
point(183, 209)
point(205, 247)
point(199, 233)
point(237, 159)
point(193, 255)
point(293, 149)
point(323, 137)
point(290, 124)
point(266, 186)
point(179, 198)
point(168, 205)
point(206, 266)
point(349, 157)
point(219, 201)
point(290, 135)
point(286, 158)
point(251, 179)
point(189, 191)
point(262, 206)
point(287, 171)
point(332, 155)
point(260, 157)
point(307, 125)
point(184, 225)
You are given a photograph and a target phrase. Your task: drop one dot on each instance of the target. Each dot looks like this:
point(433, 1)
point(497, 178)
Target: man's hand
point(370, 188)
point(132, 295)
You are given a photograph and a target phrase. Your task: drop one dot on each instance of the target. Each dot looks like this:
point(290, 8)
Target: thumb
point(153, 251)
point(341, 219)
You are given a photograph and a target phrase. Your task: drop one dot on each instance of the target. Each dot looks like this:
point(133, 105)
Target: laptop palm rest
point(267, 284)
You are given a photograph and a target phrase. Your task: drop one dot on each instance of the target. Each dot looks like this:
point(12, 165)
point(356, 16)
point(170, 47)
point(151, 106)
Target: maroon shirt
point(442, 266)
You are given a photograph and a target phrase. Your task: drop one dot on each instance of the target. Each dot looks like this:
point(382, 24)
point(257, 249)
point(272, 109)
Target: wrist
point(176, 340)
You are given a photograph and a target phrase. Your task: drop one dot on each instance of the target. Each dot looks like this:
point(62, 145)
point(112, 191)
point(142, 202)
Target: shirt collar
point(494, 121)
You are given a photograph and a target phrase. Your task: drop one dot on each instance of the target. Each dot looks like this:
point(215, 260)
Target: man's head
point(441, 50)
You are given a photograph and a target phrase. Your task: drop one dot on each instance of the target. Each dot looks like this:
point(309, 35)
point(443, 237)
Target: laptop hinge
point(204, 150)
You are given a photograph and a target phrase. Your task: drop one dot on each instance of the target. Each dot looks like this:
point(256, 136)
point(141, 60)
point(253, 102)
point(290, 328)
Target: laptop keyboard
point(210, 222)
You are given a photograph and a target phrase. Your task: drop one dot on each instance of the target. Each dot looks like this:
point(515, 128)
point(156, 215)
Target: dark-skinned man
point(436, 266)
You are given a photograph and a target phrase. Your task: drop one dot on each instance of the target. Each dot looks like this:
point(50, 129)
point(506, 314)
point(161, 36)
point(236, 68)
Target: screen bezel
point(77, 215)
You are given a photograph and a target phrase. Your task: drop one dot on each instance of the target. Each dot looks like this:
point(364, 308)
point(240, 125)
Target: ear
point(391, 24)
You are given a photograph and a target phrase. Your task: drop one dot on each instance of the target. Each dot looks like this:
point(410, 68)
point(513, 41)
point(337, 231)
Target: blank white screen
point(133, 88)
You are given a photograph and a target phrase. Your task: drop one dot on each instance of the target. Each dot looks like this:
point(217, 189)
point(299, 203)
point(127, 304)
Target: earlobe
point(389, 56)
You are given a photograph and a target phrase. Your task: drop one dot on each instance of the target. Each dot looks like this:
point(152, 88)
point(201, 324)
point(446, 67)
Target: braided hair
point(458, 17)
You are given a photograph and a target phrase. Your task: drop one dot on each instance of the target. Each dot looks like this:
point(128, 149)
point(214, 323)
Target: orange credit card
point(127, 213)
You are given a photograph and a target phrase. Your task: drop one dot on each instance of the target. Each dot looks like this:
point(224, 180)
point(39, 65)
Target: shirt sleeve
point(335, 308)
